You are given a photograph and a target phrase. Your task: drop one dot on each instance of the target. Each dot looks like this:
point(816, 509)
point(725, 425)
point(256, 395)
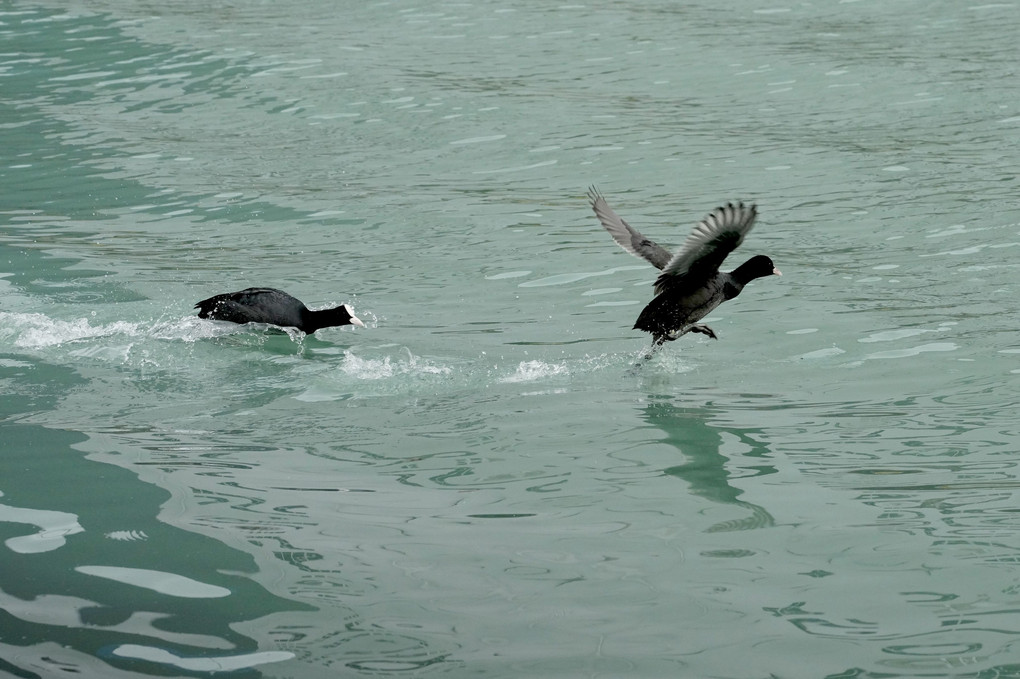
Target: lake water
point(479, 483)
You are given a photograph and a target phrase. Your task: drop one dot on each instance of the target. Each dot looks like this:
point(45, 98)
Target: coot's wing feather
point(629, 238)
point(253, 305)
point(712, 239)
point(232, 310)
point(247, 296)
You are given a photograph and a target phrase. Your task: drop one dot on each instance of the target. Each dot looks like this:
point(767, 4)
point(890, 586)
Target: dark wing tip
point(732, 214)
point(740, 207)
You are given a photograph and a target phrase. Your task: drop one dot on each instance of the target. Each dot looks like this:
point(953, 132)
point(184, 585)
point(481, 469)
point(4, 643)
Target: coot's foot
point(704, 330)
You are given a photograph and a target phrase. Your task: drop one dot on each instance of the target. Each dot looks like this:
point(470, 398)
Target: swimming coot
point(690, 285)
point(269, 305)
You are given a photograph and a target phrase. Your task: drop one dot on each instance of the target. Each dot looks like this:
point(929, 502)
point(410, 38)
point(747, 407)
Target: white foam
point(382, 368)
point(34, 331)
point(530, 371)
point(38, 331)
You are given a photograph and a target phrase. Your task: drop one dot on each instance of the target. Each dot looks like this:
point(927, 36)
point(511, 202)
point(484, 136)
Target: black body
point(269, 305)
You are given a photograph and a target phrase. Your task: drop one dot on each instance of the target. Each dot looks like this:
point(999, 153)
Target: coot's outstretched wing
point(629, 238)
point(712, 239)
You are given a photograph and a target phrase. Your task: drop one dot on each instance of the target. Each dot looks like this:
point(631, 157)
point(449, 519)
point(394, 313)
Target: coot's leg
point(703, 329)
point(657, 342)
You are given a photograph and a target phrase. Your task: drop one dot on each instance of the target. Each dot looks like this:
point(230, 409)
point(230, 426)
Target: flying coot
point(276, 307)
point(690, 285)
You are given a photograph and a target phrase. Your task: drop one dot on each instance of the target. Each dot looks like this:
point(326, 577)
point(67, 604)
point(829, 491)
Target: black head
point(328, 318)
point(758, 266)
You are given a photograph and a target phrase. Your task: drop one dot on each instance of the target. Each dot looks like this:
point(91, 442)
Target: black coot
point(269, 305)
point(690, 285)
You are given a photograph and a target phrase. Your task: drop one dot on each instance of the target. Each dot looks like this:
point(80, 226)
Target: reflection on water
point(705, 472)
point(70, 578)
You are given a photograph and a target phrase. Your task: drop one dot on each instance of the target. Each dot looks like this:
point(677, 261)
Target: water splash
point(39, 331)
point(126, 535)
point(385, 367)
point(34, 331)
point(531, 371)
